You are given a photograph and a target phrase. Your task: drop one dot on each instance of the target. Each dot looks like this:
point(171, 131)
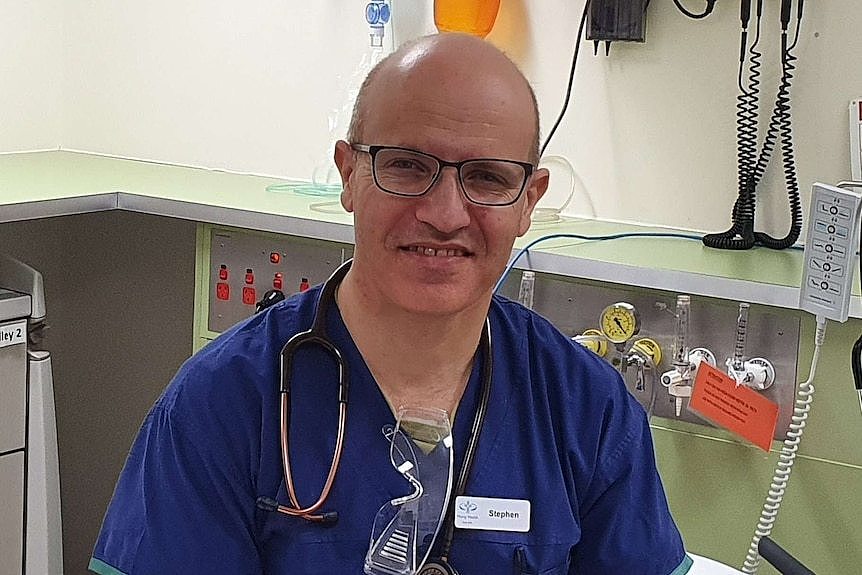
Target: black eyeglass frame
point(374, 150)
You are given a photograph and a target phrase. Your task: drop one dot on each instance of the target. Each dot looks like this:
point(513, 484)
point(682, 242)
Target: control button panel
point(244, 265)
point(830, 249)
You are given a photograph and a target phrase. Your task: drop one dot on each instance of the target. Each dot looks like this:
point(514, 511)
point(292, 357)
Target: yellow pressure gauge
point(594, 341)
point(649, 348)
point(619, 322)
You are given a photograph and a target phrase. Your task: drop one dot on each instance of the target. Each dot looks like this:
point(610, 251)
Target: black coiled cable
point(747, 129)
point(782, 119)
point(741, 235)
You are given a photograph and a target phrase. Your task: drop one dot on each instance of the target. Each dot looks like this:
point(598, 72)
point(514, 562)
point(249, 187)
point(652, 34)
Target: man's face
point(438, 253)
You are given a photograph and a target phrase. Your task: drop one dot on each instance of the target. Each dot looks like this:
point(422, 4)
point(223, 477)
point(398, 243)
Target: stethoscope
point(437, 565)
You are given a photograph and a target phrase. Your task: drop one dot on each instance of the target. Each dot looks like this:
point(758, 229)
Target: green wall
point(716, 487)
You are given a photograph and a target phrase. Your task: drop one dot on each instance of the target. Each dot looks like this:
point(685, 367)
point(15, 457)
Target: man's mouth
point(428, 251)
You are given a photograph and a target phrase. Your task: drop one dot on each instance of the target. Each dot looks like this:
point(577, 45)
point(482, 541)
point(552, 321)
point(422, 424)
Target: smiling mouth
point(436, 252)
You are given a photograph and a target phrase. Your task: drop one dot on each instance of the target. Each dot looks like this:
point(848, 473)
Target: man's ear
point(344, 161)
point(535, 190)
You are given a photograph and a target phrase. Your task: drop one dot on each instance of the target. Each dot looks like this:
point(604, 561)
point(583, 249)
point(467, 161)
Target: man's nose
point(444, 206)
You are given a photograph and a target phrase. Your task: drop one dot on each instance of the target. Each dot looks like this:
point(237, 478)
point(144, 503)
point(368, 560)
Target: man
point(440, 173)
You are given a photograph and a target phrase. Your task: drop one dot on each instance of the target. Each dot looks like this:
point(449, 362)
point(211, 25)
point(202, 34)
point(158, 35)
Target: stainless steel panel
point(44, 525)
point(13, 386)
point(13, 305)
point(11, 513)
point(240, 251)
point(574, 306)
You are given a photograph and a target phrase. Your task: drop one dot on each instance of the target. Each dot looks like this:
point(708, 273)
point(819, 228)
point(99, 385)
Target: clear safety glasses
point(405, 528)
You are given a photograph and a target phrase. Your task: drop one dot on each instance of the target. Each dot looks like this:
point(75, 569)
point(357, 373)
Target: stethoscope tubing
point(475, 432)
point(317, 335)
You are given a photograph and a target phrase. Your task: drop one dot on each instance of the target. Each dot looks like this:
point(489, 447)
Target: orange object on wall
point(471, 16)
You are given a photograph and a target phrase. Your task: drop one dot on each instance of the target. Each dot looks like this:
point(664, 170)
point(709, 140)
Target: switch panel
point(830, 252)
point(244, 265)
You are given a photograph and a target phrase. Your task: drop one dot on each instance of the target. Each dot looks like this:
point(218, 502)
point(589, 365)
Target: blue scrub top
point(561, 431)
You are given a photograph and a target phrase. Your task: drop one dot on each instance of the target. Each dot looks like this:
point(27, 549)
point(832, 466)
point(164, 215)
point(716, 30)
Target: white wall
point(30, 62)
point(650, 129)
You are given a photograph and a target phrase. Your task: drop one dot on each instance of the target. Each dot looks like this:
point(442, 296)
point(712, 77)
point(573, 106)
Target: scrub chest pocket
point(320, 551)
point(479, 552)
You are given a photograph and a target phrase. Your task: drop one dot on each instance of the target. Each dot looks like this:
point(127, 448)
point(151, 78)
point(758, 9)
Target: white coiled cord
point(802, 406)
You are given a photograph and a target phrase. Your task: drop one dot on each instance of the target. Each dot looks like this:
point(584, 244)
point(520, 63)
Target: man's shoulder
point(270, 326)
point(242, 363)
point(535, 349)
point(516, 318)
point(535, 335)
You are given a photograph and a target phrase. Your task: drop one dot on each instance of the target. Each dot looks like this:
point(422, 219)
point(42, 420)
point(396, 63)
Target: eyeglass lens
point(410, 173)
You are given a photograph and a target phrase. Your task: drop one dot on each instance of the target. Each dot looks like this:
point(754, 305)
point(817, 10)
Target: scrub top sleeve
point(626, 523)
point(181, 504)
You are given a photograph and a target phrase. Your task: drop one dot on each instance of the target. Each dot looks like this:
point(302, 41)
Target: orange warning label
point(737, 408)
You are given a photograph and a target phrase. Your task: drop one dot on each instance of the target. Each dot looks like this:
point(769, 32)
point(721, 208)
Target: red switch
point(278, 281)
point(222, 272)
point(223, 291)
point(249, 276)
point(303, 285)
point(275, 257)
point(248, 296)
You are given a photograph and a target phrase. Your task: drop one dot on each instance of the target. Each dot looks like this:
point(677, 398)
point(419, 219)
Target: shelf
point(44, 184)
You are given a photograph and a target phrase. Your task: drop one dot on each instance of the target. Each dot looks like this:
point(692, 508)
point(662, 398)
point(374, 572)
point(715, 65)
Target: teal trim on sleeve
point(102, 568)
point(683, 568)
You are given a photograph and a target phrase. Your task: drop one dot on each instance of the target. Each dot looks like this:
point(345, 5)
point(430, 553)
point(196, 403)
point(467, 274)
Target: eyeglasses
point(405, 528)
point(484, 181)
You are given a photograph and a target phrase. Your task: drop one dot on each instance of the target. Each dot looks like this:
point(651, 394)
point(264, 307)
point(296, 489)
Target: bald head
point(443, 62)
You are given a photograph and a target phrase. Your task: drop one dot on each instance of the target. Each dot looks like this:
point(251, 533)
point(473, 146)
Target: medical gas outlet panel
point(657, 339)
point(640, 332)
point(239, 269)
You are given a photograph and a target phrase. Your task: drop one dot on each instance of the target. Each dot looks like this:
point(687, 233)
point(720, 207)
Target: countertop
point(53, 183)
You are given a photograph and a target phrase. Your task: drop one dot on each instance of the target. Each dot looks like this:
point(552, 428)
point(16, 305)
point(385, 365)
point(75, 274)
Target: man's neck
point(417, 360)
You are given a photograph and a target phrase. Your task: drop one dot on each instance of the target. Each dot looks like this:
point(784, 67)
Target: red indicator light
point(222, 272)
point(248, 296)
point(275, 257)
point(249, 276)
point(223, 291)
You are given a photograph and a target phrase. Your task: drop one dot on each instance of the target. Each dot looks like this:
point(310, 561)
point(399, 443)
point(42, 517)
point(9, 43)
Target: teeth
point(431, 252)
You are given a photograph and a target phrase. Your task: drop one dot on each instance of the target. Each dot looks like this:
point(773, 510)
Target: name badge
point(492, 514)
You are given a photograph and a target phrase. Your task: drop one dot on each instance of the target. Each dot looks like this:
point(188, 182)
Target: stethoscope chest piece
point(437, 567)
